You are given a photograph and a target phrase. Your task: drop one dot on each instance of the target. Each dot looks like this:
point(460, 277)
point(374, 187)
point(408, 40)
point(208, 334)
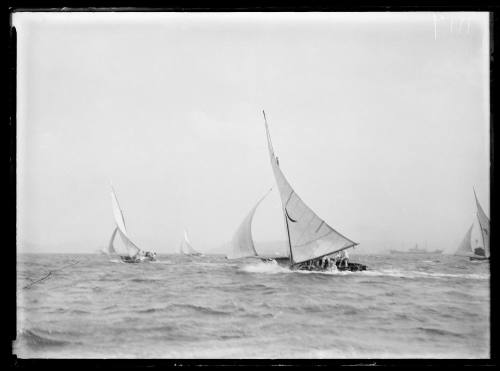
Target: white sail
point(117, 213)
point(132, 249)
point(111, 247)
point(242, 243)
point(476, 239)
point(186, 247)
point(465, 247)
point(484, 224)
point(117, 247)
point(309, 236)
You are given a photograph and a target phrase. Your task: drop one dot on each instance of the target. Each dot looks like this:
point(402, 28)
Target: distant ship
point(416, 250)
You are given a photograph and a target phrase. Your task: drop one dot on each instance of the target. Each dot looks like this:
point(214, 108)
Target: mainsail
point(186, 247)
point(465, 247)
point(242, 243)
point(132, 249)
point(477, 239)
point(484, 224)
point(309, 236)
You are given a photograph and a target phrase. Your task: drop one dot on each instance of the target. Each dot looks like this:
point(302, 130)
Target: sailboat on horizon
point(129, 252)
point(476, 242)
point(186, 248)
point(309, 237)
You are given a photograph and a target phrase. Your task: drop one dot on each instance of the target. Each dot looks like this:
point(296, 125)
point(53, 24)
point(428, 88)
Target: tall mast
point(479, 221)
point(271, 150)
point(119, 207)
point(288, 235)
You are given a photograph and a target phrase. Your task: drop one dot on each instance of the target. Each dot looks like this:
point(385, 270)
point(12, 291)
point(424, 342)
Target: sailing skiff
point(476, 242)
point(309, 237)
point(128, 252)
point(186, 248)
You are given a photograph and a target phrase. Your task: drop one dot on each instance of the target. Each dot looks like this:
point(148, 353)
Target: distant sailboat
point(476, 243)
point(129, 252)
point(242, 245)
point(186, 248)
point(310, 238)
point(465, 247)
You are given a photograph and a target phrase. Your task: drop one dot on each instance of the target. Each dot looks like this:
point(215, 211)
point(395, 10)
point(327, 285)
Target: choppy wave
point(261, 267)
point(269, 268)
point(201, 309)
point(210, 307)
point(419, 274)
point(274, 268)
point(144, 280)
point(438, 332)
point(33, 340)
point(150, 310)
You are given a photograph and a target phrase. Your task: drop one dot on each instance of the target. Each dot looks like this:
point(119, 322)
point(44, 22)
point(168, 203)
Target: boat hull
point(479, 258)
point(129, 260)
point(282, 261)
point(285, 262)
point(351, 267)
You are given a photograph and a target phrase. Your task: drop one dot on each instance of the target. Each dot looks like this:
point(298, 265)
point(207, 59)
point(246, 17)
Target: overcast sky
point(380, 121)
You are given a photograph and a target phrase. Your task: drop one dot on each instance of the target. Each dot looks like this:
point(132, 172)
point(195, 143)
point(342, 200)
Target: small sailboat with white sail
point(128, 251)
point(476, 242)
point(242, 245)
point(186, 248)
point(312, 242)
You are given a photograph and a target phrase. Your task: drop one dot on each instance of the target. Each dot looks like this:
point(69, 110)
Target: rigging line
point(119, 207)
point(289, 241)
point(49, 274)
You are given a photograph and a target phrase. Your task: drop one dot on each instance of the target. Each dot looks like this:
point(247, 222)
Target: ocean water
point(404, 306)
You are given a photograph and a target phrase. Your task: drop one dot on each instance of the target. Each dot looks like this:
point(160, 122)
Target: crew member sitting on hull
point(326, 263)
point(333, 266)
point(150, 255)
point(329, 263)
point(344, 259)
point(336, 259)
